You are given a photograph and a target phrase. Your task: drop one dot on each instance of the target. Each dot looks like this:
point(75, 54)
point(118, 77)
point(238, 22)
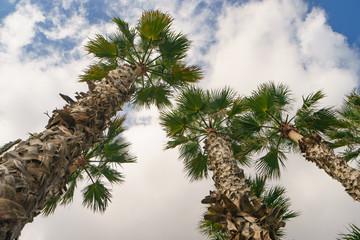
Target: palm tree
point(265, 127)
point(198, 126)
point(353, 235)
point(273, 197)
point(138, 64)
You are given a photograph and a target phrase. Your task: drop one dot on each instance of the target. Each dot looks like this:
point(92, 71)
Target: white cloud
point(17, 29)
point(280, 41)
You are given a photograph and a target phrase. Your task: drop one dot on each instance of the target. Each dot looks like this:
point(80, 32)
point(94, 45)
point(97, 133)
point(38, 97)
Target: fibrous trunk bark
point(318, 151)
point(233, 204)
point(37, 169)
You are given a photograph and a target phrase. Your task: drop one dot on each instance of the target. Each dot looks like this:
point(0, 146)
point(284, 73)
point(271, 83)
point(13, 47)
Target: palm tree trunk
point(37, 169)
point(318, 151)
point(234, 205)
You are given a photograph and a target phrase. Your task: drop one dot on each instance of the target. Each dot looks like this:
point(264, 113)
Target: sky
point(309, 45)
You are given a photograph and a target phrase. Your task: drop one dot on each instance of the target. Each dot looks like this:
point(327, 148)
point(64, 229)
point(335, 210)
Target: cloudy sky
point(309, 45)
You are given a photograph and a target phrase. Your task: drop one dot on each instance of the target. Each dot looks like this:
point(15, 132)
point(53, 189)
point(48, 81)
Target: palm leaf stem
point(271, 116)
point(89, 175)
point(89, 155)
point(221, 121)
point(269, 127)
point(202, 118)
point(155, 65)
point(126, 60)
point(147, 75)
point(157, 72)
point(136, 53)
point(291, 119)
point(160, 55)
point(143, 81)
point(147, 48)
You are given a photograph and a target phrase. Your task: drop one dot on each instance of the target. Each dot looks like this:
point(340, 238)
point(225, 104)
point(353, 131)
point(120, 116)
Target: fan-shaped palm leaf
point(353, 235)
point(153, 25)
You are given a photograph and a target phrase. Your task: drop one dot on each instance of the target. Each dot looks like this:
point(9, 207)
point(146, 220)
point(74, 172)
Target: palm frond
point(269, 99)
point(258, 185)
point(122, 43)
point(124, 29)
point(51, 206)
point(174, 123)
point(182, 74)
point(220, 99)
point(194, 159)
point(98, 71)
point(174, 47)
point(153, 25)
point(192, 100)
point(236, 108)
point(102, 48)
point(269, 165)
point(245, 125)
point(353, 235)
point(152, 95)
point(104, 171)
point(96, 196)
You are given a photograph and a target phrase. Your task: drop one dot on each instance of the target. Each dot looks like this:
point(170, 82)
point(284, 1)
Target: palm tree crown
point(265, 125)
point(348, 135)
point(152, 45)
point(196, 113)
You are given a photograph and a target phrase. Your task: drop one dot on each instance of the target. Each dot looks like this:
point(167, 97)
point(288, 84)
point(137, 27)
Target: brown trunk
point(318, 152)
point(234, 205)
point(37, 169)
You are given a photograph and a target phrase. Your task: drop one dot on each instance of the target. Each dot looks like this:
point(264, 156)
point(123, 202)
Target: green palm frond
point(152, 44)
point(195, 161)
point(236, 108)
point(174, 123)
point(220, 99)
point(98, 71)
point(322, 120)
point(269, 99)
point(102, 48)
point(258, 185)
point(74, 178)
point(353, 235)
point(246, 125)
point(51, 206)
point(275, 196)
point(346, 134)
point(102, 162)
point(311, 101)
point(174, 47)
point(123, 27)
point(104, 171)
point(123, 46)
point(153, 25)
point(269, 165)
point(96, 196)
point(152, 95)
point(182, 74)
point(192, 101)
